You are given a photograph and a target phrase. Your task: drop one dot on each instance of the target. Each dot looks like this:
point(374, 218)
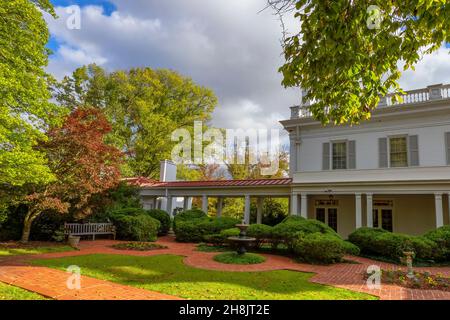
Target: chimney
point(168, 171)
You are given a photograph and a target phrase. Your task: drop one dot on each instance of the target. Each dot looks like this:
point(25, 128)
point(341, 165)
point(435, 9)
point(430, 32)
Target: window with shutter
point(352, 154)
point(413, 150)
point(447, 145)
point(326, 156)
point(382, 153)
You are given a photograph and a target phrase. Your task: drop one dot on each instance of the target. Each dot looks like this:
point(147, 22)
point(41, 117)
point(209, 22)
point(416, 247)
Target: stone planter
point(74, 241)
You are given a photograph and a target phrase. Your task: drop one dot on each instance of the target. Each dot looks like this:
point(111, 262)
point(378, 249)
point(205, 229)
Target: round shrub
point(137, 228)
point(235, 258)
point(319, 248)
point(285, 232)
point(441, 236)
point(164, 219)
point(261, 232)
point(198, 229)
point(188, 215)
point(129, 211)
point(350, 248)
point(231, 232)
point(365, 237)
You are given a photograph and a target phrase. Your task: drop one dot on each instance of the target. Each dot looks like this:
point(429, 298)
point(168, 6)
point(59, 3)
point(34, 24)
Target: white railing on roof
point(434, 92)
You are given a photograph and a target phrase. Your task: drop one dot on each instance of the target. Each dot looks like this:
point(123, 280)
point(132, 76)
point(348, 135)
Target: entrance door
point(382, 218)
point(327, 216)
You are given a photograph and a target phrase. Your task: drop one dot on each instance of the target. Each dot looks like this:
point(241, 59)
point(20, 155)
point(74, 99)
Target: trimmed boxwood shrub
point(197, 229)
point(140, 227)
point(164, 219)
point(188, 215)
point(364, 238)
point(378, 242)
point(319, 247)
point(261, 232)
point(221, 238)
point(285, 232)
point(441, 236)
point(351, 249)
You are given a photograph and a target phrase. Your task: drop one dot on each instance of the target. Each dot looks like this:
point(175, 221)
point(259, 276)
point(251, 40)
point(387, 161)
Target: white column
point(439, 210)
point(369, 208)
point(259, 210)
point(448, 198)
point(185, 203)
point(247, 209)
point(219, 206)
point(294, 204)
point(358, 211)
point(304, 205)
point(169, 205)
point(205, 204)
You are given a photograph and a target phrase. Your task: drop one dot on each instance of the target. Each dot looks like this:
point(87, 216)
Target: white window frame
point(389, 149)
point(380, 207)
point(332, 142)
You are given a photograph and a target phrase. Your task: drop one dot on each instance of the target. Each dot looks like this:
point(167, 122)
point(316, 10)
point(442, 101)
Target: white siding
point(431, 133)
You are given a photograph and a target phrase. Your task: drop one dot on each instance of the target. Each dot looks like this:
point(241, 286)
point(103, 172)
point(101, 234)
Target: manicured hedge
point(188, 215)
point(286, 231)
point(441, 236)
point(319, 247)
point(139, 227)
point(164, 219)
point(378, 242)
point(197, 229)
point(261, 232)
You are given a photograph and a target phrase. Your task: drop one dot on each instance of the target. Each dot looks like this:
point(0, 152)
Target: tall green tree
point(25, 110)
point(347, 53)
point(143, 105)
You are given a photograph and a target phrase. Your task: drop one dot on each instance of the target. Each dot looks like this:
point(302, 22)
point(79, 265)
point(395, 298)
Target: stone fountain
point(242, 240)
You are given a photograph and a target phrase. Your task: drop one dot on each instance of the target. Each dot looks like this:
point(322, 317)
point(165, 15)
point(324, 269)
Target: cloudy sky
point(229, 46)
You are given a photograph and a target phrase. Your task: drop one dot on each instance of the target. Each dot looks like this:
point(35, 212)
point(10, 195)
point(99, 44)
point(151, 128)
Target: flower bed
point(421, 280)
point(138, 246)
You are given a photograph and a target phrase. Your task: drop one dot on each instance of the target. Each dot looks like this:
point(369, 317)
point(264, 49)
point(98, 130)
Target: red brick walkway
point(52, 283)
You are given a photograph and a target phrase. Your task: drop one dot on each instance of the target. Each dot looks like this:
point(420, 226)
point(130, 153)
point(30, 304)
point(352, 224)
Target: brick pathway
point(16, 271)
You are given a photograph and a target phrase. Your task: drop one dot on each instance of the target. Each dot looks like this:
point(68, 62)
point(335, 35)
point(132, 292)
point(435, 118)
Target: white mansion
point(391, 172)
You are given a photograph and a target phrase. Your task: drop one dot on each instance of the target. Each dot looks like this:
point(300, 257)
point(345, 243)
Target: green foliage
point(144, 107)
point(188, 215)
point(285, 232)
point(392, 245)
point(8, 292)
point(235, 258)
point(365, 237)
point(164, 219)
point(25, 110)
point(274, 211)
point(139, 227)
point(351, 248)
point(197, 229)
point(261, 232)
point(221, 238)
point(343, 63)
point(441, 236)
point(319, 247)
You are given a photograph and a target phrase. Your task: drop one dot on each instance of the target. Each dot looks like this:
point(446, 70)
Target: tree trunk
point(27, 227)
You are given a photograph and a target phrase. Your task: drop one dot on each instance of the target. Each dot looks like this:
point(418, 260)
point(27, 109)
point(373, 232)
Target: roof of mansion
point(151, 183)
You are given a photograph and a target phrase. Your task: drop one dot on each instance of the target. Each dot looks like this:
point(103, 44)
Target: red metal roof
point(148, 183)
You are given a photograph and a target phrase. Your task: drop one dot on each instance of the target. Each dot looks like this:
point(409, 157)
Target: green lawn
point(168, 274)
point(8, 292)
point(12, 251)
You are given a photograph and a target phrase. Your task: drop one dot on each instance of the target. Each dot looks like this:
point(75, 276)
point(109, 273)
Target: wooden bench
point(89, 229)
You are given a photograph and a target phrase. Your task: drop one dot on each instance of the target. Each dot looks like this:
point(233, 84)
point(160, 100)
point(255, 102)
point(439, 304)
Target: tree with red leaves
point(83, 163)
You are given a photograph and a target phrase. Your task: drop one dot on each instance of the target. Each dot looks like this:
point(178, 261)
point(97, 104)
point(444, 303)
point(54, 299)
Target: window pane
point(332, 218)
point(375, 218)
point(398, 152)
point(320, 214)
point(340, 155)
point(386, 220)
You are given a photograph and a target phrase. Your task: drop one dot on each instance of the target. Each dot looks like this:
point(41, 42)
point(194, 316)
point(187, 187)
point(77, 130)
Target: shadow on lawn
point(168, 274)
